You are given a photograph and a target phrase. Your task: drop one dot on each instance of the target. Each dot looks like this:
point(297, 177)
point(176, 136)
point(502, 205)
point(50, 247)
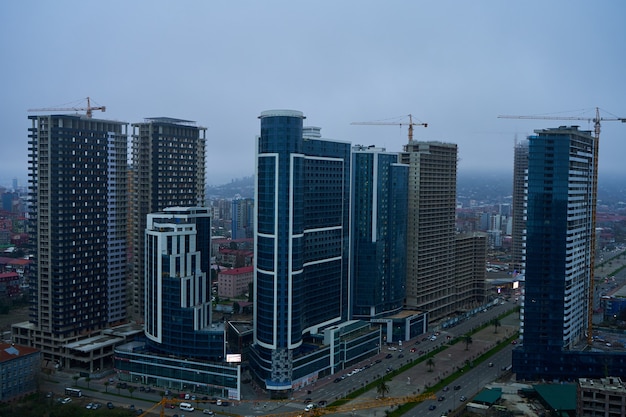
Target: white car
point(66, 400)
point(207, 411)
point(309, 407)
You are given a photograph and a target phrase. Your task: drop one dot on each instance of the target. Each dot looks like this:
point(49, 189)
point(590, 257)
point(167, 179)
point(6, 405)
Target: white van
point(186, 407)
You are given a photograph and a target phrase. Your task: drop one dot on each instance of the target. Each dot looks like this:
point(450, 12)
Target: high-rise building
point(77, 170)
point(302, 255)
point(168, 170)
point(559, 235)
point(518, 213)
point(378, 233)
point(242, 223)
point(471, 257)
point(182, 349)
point(178, 291)
point(431, 226)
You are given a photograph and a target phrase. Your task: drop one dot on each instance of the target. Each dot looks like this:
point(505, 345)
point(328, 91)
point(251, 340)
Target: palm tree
point(431, 364)
point(131, 389)
point(87, 379)
point(496, 323)
point(468, 341)
point(75, 378)
point(382, 388)
point(106, 386)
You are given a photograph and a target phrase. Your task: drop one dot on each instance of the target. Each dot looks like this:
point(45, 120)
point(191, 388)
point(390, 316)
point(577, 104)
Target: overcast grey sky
point(456, 65)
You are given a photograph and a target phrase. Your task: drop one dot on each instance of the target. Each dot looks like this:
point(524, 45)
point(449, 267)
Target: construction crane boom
point(88, 110)
point(410, 124)
point(597, 127)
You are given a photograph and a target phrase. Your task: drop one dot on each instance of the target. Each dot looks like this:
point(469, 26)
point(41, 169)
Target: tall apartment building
point(559, 236)
point(518, 211)
point(168, 170)
point(430, 280)
point(77, 170)
point(242, 222)
point(302, 256)
point(378, 233)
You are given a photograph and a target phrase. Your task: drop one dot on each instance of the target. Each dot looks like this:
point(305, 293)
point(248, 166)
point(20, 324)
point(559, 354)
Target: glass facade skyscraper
point(301, 243)
point(379, 227)
point(178, 293)
point(559, 235)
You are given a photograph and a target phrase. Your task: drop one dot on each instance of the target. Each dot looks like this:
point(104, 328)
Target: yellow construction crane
point(89, 109)
point(410, 124)
point(596, 123)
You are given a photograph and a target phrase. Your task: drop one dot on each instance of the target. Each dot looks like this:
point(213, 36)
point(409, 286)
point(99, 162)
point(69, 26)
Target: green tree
point(468, 341)
point(131, 389)
point(75, 378)
point(250, 288)
point(496, 323)
point(382, 388)
point(431, 364)
point(106, 386)
point(236, 307)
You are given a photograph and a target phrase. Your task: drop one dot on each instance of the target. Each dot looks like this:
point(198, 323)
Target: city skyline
point(220, 65)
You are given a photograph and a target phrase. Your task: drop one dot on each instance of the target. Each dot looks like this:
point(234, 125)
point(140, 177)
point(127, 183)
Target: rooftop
point(11, 351)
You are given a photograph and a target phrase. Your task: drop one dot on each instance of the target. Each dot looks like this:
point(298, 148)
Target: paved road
point(409, 383)
point(415, 379)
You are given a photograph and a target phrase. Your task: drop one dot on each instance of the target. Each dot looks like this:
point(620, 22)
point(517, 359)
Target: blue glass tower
point(301, 242)
point(559, 233)
point(178, 294)
point(379, 228)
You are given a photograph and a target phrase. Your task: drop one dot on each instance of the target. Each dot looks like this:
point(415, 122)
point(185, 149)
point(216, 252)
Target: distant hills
point(244, 187)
